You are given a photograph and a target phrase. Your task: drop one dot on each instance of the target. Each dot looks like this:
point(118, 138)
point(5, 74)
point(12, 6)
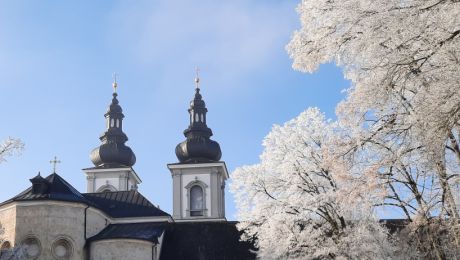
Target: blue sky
point(56, 65)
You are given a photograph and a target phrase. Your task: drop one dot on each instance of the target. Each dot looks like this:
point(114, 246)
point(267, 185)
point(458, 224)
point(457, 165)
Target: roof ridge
point(63, 181)
point(118, 191)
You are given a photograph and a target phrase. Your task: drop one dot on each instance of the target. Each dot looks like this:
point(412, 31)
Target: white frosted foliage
point(301, 201)
point(402, 111)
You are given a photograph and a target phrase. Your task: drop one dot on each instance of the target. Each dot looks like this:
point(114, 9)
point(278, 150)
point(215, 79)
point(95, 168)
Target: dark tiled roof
point(205, 240)
point(58, 189)
point(122, 204)
point(394, 225)
point(118, 204)
point(143, 231)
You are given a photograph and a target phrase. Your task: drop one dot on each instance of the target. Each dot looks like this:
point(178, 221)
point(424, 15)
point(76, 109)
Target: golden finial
point(197, 78)
point(114, 85)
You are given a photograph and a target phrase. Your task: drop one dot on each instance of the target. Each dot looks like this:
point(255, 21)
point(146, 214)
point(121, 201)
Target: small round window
point(62, 249)
point(32, 247)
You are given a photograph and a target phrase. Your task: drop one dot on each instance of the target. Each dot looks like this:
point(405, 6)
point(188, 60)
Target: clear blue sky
point(56, 65)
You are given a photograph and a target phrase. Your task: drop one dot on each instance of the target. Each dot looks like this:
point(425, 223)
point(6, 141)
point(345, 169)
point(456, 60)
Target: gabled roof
point(142, 231)
point(123, 204)
point(58, 189)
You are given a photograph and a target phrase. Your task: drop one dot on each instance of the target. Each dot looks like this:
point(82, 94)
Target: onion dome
point(113, 152)
point(198, 147)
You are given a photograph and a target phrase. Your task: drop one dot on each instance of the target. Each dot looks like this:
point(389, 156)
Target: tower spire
point(113, 151)
point(198, 147)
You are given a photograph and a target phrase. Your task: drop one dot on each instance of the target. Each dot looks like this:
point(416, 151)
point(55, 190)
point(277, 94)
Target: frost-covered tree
point(9, 147)
point(301, 201)
point(8, 253)
point(403, 107)
point(403, 60)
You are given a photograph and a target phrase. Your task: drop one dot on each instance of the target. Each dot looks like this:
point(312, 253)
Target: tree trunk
point(449, 200)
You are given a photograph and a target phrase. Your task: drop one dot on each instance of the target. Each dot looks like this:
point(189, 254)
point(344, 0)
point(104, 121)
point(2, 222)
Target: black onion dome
point(198, 147)
point(113, 152)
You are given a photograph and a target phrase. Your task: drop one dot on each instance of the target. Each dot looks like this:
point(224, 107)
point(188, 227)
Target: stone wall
point(58, 227)
point(8, 221)
point(121, 249)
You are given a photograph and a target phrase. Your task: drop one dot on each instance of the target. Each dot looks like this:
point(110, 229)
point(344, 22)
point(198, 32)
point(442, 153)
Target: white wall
point(95, 222)
point(121, 249)
point(188, 177)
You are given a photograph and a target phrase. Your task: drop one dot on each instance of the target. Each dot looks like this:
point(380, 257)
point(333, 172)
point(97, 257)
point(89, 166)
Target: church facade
point(112, 220)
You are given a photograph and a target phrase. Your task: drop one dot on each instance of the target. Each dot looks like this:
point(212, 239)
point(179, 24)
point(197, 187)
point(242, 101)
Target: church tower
point(199, 177)
point(113, 160)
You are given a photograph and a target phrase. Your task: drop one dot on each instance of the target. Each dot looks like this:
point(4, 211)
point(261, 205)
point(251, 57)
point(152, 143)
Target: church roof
point(205, 240)
point(123, 204)
point(58, 189)
point(143, 231)
point(118, 204)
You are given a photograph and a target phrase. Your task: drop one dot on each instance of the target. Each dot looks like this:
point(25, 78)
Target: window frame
point(106, 188)
point(204, 210)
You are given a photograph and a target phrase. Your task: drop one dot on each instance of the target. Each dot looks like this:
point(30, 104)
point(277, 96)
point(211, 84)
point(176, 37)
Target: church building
point(112, 220)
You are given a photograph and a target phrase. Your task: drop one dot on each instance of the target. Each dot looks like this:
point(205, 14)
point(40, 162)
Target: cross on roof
point(115, 85)
point(197, 79)
point(54, 162)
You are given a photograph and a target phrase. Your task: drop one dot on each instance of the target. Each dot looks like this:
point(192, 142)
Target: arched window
point(5, 245)
point(196, 201)
point(106, 188)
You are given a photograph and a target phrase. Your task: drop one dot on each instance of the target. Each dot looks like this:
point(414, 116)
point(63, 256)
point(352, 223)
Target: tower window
point(118, 123)
point(197, 118)
point(202, 118)
point(112, 122)
point(196, 201)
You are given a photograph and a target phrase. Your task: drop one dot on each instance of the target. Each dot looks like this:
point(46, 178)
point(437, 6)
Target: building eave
point(173, 166)
point(91, 170)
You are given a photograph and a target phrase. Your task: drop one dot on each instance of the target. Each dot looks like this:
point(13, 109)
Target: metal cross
point(115, 85)
point(54, 162)
point(197, 79)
